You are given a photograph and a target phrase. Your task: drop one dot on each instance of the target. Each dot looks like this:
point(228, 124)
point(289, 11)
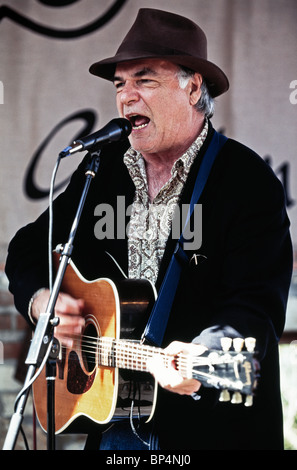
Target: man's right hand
point(69, 311)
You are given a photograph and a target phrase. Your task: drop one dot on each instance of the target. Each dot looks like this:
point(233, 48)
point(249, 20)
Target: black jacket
point(241, 286)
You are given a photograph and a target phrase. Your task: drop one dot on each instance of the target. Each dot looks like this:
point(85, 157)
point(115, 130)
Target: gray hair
point(205, 105)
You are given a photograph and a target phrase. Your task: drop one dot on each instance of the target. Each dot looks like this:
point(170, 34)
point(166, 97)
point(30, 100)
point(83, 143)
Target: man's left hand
point(169, 377)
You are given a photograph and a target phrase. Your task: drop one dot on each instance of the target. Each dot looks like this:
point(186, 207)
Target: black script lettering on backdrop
point(7, 12)
point(30, 186)
point(89, 116)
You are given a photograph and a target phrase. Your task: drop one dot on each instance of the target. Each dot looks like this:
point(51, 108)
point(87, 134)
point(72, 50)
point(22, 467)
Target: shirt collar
point(135, 164)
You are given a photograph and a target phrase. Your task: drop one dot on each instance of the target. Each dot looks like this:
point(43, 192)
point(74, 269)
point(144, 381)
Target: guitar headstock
point(233, 370)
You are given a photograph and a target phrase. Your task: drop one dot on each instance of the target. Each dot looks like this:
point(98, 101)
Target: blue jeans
point(121, 436)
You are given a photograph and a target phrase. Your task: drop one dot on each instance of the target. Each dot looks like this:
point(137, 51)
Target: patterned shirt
point(151, 221)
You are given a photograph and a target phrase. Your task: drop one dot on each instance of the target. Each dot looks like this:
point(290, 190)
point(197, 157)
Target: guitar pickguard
point(77, 381)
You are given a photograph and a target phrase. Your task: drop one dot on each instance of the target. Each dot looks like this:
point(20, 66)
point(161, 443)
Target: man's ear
point(195, 88)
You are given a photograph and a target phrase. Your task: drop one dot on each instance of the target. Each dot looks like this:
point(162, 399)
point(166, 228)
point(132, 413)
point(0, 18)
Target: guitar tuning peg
point(224, 395)
point(238, 344)
point(226, 343)
point(236, 398)
point(250, 344)
point(248, 400)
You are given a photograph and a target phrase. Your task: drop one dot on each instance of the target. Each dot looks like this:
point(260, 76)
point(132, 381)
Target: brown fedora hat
point(160, 34)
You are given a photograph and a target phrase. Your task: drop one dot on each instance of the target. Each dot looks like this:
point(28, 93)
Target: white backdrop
point(47, 47)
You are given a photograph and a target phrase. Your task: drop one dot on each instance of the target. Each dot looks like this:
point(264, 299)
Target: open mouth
point(138, 121)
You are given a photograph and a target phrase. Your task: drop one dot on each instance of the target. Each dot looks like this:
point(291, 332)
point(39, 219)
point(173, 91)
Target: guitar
point(104, 376)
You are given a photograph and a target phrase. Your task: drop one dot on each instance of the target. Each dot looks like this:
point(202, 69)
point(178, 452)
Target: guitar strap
point(156, 326)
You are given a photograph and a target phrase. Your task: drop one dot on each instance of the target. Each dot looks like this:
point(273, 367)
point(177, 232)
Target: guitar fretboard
point(133, 355)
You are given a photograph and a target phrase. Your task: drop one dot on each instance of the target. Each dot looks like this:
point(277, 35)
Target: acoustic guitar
point(104, 376)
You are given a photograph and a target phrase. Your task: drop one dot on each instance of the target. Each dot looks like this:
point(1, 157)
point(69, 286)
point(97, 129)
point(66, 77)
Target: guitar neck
point(230, 369)
point(126, 354)
point(133, 355)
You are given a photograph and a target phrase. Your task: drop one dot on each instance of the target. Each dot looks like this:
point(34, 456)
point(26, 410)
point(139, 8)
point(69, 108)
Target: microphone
point(117, 129)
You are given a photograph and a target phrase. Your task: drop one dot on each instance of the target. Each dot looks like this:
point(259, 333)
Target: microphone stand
point(43, 335)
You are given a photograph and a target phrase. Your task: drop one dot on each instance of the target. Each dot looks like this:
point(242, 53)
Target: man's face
point(149, 95)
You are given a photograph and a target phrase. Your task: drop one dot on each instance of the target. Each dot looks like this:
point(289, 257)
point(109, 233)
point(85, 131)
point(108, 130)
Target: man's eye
point(119, 85)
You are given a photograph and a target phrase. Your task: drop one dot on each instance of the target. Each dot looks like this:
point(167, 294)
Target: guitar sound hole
point(89, 347)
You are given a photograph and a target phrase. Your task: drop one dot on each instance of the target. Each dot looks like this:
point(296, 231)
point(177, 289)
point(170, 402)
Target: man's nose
point(129, 94)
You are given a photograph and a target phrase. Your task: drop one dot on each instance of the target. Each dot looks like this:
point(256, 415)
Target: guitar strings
point(130, 348)
point(107, 349)
point(182, 358)
point(127, 348)
point(134, 364)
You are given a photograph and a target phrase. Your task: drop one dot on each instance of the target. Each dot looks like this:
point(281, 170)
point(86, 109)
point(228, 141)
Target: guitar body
point(83, 387)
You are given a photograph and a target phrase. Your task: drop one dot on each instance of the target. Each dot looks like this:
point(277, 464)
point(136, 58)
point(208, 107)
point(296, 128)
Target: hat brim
point(215, 78)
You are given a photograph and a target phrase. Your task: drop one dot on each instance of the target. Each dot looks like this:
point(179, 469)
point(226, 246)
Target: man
point(234, 284)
